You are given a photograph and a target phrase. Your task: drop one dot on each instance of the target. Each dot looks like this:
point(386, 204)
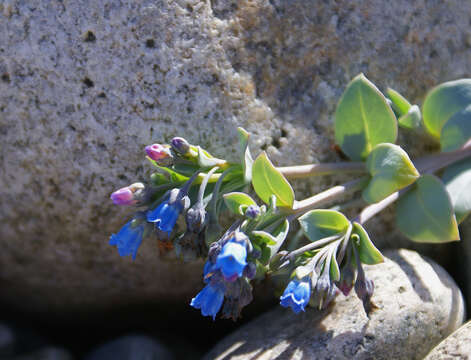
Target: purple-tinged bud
point(253, 211)
point(180, 145)
point(347, 278)
point(196, 218)
point(364, 289)
point(250, 270)
point(128, 195)
point(158, 152)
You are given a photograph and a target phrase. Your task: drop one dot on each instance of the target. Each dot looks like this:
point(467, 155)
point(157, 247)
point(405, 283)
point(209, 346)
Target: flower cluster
point(227, 274)
point(192, 184)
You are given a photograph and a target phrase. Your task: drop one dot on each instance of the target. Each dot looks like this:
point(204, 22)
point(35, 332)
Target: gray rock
point(85, 85)
point(131, 347)
point(7, 341)
point(418, 305)
point(455, 346)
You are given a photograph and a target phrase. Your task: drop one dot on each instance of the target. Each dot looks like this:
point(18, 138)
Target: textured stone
point(85, 85)
point(456, 346)
point(131, 347)
point(418, 305)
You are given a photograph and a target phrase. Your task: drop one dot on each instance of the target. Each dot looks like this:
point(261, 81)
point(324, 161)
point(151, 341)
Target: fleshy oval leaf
point(457, 130)
point(425, 213)
point(400, 104)
point(363, 119)
point(236, 201)
point(391, 170)
point(268, 181)
point(246, 157)
point(367, 252)
point(412, 119)
point(457, 180)
point(443, 101)
point(321, 223)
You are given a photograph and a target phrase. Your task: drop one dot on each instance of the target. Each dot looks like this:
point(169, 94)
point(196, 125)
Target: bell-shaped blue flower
point(232, 260)
point(165, 216)
point(128, 239)
point(209, 300)
point(297, 294)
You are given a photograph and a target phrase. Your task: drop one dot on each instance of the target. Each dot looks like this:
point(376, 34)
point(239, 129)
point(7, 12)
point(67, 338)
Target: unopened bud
point(196, 219)
point(252, 212)
point(180, 145)
point(128, 195)
point(250, 270)
point(347, 278)
point(159, 153)
point(364, 289)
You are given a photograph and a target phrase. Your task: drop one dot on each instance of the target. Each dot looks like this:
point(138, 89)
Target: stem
point(302, 206)
point(303, 171)
point(427, 167)
point(313, 245)
point(204, 184)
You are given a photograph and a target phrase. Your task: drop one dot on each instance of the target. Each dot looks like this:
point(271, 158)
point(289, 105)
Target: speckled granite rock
point(419, 304)
point(456, 346)
point(85, 85)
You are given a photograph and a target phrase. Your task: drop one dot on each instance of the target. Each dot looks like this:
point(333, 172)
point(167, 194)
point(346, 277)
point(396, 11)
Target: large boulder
point(418, 305)
point(85, 85)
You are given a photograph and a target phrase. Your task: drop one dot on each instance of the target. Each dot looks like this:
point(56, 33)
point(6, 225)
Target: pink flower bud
point(157, 152)
point(127, 195)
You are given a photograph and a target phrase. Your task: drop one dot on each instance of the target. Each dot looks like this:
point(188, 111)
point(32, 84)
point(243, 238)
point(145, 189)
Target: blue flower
point(128, 239)
point(209, 300)
point(232, 260)
point(165, 215)
point(297, 294)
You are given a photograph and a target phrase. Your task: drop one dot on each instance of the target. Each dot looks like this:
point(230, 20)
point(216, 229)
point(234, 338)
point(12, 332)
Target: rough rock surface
point(419, 304)
point(85, 85)
point(456, 346)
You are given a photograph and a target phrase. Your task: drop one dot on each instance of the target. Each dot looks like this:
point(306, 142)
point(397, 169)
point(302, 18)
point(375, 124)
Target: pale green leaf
point(457, 130)
point(363, 119)
point(400, 103)
point(321, 223)
point(367, 252)
point(391, 170)
point(425, 213)
point(246, 157)
point(236, 201)
point(443, 101)
point(268, 181)
point(457, 179)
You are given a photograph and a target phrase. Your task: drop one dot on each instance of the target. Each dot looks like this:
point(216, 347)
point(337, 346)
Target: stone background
point(85, 85)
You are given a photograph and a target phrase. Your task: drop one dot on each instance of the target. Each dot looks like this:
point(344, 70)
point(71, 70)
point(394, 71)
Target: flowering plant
point(329, 258)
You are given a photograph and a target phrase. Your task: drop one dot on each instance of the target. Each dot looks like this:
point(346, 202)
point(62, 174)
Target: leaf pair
point(321, 223)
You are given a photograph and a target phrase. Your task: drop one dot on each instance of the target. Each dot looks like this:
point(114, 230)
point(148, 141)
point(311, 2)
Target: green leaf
point(334, 270)
point(261, 237)
point(174, 176)
point(246, 158)
point(412, 119)
point(457, 130)
point(363, 119)
point(443, 101)
point(400, 103)
point(205, 160)
point(390, 169)
point(367, 252)
point(425, 213)
point(158, 179)
point(236, 201)
point(321, 223)
point(268, 181)
point(457, 179)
